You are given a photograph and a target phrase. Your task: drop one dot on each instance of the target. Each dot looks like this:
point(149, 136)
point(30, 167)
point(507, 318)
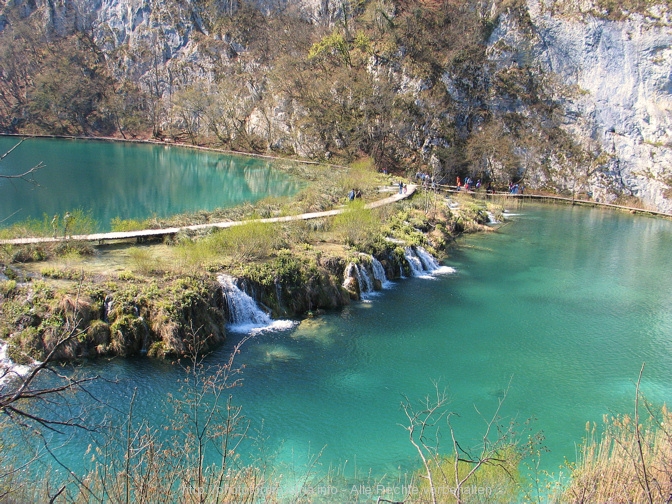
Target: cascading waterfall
point(414, 262)
point(244, 314)
point(364, 280)
point(109, 302)
point(348, 273)
point(423, 264)
point(379, 273)
point(428, 262)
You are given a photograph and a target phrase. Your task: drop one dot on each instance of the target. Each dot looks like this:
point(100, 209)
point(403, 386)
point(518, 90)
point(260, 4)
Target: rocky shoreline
point(176, 314)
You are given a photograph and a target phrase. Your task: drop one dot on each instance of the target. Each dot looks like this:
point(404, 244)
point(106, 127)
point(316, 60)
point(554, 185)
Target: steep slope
point(622, 74)
point(571, 96)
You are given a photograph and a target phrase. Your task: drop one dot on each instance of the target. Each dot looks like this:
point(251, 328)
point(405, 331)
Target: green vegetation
point(81, 222)
point(151, 297)
point(405, 85)
point(357, 225)
point(368, 90)
point(499, 481)
point(123, 225)
point(151, 305)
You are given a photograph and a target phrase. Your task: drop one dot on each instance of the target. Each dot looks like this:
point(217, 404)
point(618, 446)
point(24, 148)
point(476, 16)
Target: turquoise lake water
point(563, 303)
point(130, 181)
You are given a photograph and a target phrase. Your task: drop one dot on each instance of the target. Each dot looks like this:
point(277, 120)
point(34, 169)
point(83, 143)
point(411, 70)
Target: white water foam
point(414, 262)
point(506, 215)
point(379, 273)
point(8, 368)
point(245, 315)
point(364, 280)
point(423, 264)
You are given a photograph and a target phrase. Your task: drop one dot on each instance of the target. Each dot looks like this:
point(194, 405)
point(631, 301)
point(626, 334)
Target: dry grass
point(612, 467)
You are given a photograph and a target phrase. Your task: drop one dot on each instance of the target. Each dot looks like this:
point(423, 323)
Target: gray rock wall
point(623, 74)
point(622, 70)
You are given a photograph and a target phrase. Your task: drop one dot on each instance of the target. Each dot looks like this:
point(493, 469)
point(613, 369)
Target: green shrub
point(26, 346)
point(124, 225)
point(80, 223)
point(360, 175)
point(7, 287)
point(249, 241)
point(29, 227)
point(143, 260)
point(497, 481)
point(357, 226)
point(27, 253)
point(51, 272)
point(74, 248)
point(126, 276)
point(128, 333)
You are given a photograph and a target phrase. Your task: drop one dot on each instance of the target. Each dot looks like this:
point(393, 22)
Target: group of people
point(425, 179)
point(354, 193)
point(468, 184)
point(67, 220)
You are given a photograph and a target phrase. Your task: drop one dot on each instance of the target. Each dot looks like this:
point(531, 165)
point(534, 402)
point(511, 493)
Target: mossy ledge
point(158, 318)
point(160, 309)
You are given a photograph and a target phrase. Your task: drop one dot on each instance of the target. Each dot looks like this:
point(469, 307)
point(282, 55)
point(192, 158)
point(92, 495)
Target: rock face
point(621, 70)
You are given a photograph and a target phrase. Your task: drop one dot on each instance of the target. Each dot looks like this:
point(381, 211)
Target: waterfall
point(428, 262)
point(9, 369)
point(364, 280)
point(414, 262)
point(109, 303)
point(244, 314)
point(349, 274)
point(423, 264)
point(379, 273)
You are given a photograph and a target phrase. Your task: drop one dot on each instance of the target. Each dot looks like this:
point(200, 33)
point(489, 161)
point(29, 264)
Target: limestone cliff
point(617, 65)
point(621, 70)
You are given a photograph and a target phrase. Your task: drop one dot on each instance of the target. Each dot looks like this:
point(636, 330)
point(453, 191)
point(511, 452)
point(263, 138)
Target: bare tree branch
point(16, 403)
point(27, 175)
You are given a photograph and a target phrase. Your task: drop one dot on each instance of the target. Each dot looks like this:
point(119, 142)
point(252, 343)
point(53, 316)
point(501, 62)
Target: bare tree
point(427, 417)
point(26, 175)
point(41, 402)
point(446, 476)
point(19, 393)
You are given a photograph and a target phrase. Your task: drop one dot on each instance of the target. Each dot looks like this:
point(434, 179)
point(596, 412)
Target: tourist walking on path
point(66, 223)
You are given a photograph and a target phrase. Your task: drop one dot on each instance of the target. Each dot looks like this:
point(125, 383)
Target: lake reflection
point(131, 181)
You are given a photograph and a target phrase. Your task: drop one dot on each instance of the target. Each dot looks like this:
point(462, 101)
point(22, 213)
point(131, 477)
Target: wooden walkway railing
point(563, 199)
point(160, 233)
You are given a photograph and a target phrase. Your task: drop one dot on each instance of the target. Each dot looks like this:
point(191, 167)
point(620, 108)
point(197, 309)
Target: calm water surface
point(565, 304)
point(130, 181)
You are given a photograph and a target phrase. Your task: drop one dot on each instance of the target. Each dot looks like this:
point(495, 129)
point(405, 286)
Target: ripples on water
point(564, 303)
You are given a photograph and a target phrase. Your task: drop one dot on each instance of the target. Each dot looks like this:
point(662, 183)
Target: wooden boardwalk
point(562, 199)
point(160, 233)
